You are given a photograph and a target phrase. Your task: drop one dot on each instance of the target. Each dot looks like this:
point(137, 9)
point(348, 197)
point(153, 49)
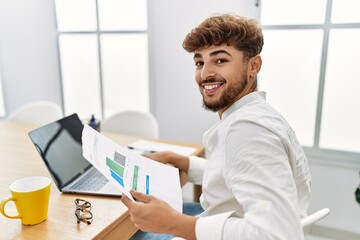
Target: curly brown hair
point(242, 33)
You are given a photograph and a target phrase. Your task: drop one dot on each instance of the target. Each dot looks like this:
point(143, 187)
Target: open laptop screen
point(59, 144)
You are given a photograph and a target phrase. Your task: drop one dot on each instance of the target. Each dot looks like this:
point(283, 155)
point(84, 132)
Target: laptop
point(60, 147)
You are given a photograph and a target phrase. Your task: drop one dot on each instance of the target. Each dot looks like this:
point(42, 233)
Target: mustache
point(211, 80)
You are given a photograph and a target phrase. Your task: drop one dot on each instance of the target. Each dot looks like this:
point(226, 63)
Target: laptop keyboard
point(92, 181)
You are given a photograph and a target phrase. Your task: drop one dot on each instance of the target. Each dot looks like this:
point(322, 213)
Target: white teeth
point(210, 87)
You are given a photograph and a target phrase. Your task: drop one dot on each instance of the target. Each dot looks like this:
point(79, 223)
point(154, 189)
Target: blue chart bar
point(147, 184)
point(117, 177)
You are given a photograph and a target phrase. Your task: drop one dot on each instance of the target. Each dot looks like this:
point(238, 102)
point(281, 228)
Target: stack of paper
point(145, 146)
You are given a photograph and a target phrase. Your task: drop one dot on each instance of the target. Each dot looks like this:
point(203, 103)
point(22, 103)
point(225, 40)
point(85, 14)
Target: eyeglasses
point(83, 211)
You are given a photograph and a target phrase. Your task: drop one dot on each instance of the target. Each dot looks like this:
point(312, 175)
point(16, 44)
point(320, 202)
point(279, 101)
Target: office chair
point(137, 123)
point(308, 222)
point(38, 112)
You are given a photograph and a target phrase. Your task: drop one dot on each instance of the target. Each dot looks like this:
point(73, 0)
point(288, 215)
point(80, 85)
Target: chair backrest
point(38, 112)
point(137, 123)
point(308, 222)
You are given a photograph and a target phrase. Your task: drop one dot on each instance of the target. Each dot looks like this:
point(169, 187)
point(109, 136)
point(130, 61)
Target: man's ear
point(254, 65)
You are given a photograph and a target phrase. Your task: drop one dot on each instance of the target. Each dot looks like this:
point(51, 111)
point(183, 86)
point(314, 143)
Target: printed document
point(128, 170)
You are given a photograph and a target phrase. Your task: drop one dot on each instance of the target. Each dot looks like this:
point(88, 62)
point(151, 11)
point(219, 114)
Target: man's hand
point(168, 157)
point(150, 214)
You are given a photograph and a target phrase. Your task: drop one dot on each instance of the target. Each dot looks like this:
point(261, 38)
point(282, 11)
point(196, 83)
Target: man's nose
point(207, 72)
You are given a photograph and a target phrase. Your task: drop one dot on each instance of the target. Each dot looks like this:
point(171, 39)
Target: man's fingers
point(127, 201)
point(140, 197)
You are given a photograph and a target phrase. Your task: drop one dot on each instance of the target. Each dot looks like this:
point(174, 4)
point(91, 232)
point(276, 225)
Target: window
point(310, 71)
point(103, 50)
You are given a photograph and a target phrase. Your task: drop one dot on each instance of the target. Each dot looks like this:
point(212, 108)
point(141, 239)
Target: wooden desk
point(18, 159)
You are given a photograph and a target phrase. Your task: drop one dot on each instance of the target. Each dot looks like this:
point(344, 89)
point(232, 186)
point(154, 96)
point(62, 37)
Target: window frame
point(98, 33)
point(315, 153)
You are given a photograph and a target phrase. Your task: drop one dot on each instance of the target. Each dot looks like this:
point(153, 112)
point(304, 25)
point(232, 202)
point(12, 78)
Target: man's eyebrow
point(219, 52)
point(198, 55)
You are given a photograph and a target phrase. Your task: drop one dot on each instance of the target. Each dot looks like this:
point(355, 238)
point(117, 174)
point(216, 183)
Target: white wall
point(334, 187)
point(175, 98)
point(28, 52)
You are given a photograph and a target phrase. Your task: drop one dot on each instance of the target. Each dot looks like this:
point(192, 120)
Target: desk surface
point(18, 159)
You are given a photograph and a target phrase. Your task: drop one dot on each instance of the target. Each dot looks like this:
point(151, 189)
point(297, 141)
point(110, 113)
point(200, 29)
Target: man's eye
point(221, 60)
point(198, 64)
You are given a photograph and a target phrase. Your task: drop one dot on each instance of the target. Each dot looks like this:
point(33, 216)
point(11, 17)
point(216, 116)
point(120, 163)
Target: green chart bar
point(119, 170)
point(135, 178)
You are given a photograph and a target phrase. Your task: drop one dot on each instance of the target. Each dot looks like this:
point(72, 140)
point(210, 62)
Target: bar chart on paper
point(129, 170)
point(116, 167)
point(139, 180)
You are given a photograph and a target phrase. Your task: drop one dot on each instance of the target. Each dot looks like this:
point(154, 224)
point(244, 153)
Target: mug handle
point(2, 207)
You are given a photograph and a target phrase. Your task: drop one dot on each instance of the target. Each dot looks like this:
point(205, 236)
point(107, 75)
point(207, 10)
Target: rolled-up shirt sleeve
point(211, 224)
point(196, 169)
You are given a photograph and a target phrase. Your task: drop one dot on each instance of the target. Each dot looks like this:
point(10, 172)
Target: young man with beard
point(255, 178)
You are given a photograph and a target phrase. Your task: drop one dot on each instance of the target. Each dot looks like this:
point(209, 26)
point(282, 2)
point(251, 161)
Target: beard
point(230, 95)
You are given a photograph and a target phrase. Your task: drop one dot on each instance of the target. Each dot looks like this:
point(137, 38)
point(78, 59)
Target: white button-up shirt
point(255, 179)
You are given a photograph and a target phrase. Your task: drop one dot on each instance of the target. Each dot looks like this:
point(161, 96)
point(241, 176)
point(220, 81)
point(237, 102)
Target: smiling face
point(224, 76)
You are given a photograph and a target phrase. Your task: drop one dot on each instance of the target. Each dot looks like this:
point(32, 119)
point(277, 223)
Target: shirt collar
point(244, 101)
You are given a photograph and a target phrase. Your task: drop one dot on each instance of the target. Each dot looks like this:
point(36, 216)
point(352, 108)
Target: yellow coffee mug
point(31, 197)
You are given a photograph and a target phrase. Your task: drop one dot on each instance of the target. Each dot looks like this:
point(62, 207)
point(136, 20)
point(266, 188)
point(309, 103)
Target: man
point(256, 179)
